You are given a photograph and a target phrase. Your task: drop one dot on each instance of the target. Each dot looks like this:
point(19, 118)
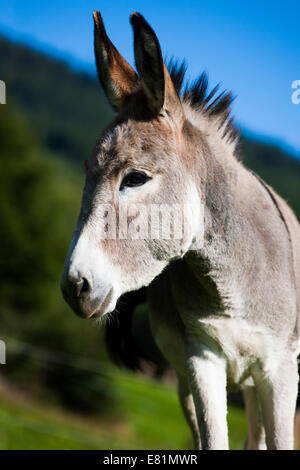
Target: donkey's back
point(294, 233)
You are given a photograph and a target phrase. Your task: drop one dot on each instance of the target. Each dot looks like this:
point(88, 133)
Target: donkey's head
point(137, 168)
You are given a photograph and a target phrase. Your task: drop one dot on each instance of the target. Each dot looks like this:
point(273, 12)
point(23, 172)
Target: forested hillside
point(66, 110)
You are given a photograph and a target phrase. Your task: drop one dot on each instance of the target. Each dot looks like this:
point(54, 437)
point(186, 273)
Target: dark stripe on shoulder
point(274, 202)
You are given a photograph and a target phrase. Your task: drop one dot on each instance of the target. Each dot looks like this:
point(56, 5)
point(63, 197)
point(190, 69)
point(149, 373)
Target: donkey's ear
point(156, 79)
point(115, 74)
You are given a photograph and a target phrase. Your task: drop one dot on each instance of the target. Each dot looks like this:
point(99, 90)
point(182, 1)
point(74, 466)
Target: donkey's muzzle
point(78, 292)
point(75, 291)
point(90, 283)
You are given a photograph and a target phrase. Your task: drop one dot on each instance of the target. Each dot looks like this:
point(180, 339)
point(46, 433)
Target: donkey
point(224, 297)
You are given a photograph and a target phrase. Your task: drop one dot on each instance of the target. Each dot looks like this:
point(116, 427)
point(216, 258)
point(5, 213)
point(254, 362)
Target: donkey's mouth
point(106, 306)
point(90, 306)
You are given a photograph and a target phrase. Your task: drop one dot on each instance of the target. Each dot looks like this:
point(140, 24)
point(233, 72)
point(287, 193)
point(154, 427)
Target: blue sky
point(252, 48)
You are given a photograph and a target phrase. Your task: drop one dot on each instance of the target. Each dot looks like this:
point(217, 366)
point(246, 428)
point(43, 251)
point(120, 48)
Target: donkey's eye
point(133, 179)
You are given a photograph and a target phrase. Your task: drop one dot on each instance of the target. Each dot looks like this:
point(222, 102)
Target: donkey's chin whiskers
point(105, 318)
point(100, 320)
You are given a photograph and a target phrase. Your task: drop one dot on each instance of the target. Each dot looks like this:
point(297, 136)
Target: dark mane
point(198, 96)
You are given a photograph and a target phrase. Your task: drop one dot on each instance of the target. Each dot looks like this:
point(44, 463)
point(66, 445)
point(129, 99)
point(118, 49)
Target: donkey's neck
point(212, 265)
point(217, 172)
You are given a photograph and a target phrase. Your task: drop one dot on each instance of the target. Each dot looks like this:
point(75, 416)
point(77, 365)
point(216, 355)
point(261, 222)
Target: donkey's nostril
point(82, 287)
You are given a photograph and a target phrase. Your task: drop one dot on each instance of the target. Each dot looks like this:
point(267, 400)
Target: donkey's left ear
point(116, 76)
point(156, 79)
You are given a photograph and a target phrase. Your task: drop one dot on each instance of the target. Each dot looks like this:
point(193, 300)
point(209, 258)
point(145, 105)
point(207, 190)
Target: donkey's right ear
point(117, 77)
point(155, 77)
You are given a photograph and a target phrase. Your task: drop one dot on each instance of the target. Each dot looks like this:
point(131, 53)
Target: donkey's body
point(225, 311)
point(237, 297)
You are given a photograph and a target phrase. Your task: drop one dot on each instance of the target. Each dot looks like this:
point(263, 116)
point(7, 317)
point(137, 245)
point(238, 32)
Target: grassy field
point(148, 417)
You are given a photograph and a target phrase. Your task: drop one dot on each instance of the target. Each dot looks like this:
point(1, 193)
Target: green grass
point(148, 417)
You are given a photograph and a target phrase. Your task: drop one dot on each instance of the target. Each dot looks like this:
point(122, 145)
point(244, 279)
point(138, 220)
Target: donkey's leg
point(188, 407)
point(256, 439)
point(278, 395)
point(206, 371)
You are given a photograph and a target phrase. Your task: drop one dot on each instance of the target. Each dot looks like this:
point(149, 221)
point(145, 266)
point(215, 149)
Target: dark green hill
point(67, 110)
